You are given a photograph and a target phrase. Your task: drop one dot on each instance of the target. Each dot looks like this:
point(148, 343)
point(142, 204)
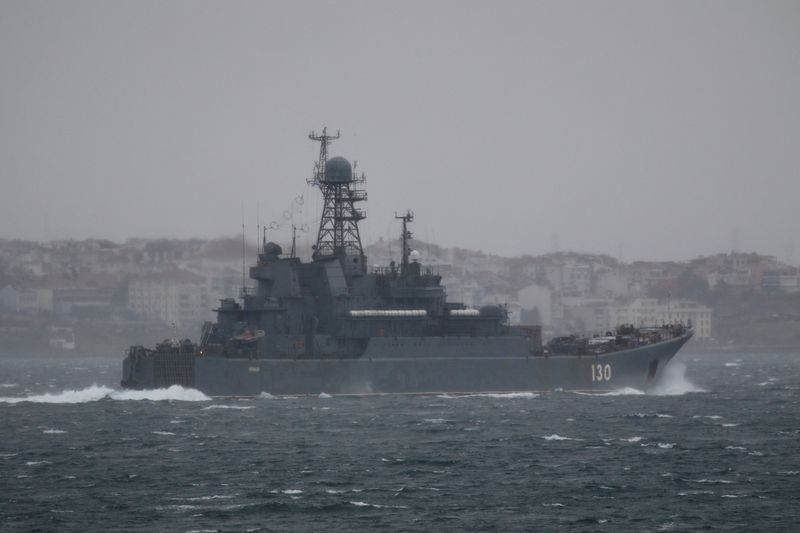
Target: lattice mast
point(338, 234)
point(405, 237)
point(319, 166)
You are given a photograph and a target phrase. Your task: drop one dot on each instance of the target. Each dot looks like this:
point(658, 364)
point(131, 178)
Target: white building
point(173, 297)
point(612, 284)
point(788, 282)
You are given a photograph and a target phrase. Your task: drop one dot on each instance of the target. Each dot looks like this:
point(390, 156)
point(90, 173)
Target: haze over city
point(658, 130)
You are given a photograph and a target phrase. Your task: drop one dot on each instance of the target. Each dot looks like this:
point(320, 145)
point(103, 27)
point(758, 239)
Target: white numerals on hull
point(601, 372)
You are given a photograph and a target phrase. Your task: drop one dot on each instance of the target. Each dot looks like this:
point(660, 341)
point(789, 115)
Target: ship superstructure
point(331, 306)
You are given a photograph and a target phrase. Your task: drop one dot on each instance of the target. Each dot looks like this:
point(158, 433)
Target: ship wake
point(96, 393)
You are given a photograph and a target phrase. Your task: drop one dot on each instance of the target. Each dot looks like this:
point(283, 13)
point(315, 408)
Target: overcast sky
point(659, 129)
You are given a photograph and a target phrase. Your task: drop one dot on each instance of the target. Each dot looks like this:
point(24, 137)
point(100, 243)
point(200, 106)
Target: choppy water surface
point(716, 448)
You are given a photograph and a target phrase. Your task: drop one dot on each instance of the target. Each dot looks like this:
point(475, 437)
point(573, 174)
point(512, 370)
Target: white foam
point(625, 391)
point(729, 425)
point(673, 382)
point(98, 392)
point(662, 445)
point(713, 481)
point(555, 436)
point(651, 415)
point(556, 504)
point(175, 392)
point(508, 395)
point(324, 395)
point(292, 491)
point(162, 433)
point(206, 498)
point(632, 439)
point(435, 420)
point(731, 365)
point(8, 385)
point(501, 395)
point(377, 506)
point(37, 463)
point(89, 394)
point(334, 491)
point(240, 407)
point(177, 507)
point(53, 431)
point(268, 396)
point(738, 448)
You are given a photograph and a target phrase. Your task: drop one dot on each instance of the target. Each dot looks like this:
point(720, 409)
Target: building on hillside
point(612, 284)
point(85, 302)
point(784, 281)
point(25, 300)
point(9, 299)
point(175, 297)
point(736, 270)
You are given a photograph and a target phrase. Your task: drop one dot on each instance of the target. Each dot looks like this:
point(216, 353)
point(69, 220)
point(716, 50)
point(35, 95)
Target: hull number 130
point(601, 372)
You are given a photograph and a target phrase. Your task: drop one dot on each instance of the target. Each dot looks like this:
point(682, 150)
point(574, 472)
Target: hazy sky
point(657, 128)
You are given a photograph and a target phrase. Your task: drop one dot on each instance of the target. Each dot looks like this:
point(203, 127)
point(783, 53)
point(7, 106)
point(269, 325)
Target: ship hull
point(383, 370)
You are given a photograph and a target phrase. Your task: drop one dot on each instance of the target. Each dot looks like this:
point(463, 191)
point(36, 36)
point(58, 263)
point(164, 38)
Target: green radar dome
point(338, 170)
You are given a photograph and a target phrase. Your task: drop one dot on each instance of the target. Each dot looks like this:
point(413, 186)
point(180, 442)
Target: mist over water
point(710, 447)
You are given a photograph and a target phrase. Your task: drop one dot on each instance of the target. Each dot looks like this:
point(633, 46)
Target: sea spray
point(95, 393)
point(673, 382)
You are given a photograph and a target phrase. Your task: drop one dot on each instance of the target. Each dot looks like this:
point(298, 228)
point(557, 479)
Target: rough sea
point(715, 447)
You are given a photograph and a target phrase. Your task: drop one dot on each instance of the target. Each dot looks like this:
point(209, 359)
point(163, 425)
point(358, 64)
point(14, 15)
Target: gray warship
point(333, 325)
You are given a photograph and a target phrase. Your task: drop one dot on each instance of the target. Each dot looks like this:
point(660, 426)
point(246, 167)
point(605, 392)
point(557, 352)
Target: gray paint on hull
point(447, 373)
